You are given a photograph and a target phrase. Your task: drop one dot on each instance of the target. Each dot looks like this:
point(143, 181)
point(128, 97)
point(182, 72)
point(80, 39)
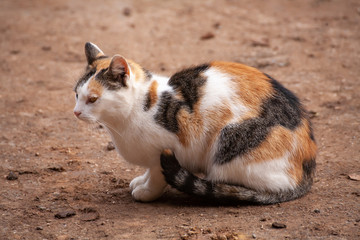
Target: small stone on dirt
point(11, 176)
point(37, 154)
point(317, 211)
point(110, 146)
point(354, 176)
point(14, 52)
point(313, 114)
point(356, 194)
point(57, 169)
point(127, 12)
point(278, 225)
point(65, 214)
point(39, 228)
point(264, 42)
point(207, 36)
point(46, 48)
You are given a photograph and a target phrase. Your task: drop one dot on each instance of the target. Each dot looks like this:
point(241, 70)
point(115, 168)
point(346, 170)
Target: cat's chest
point(141, 144)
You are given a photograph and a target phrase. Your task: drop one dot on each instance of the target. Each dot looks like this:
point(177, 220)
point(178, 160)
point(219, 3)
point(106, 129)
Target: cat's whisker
point(109, 126)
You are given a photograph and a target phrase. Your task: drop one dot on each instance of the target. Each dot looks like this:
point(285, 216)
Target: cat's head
point(106, 88)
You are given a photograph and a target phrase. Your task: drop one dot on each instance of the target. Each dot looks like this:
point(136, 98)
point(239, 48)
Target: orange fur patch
point(278, 142)
point(306, 150)
point(253, 87)
point(153, 93)
point(190, 125)
point(137, 70)
point(167, 152)
point(217, 119)
point(101, 63)
point(95, 87)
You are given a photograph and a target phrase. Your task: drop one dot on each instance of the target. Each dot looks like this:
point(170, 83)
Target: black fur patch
point(283, 108)
point(173, 171)
point(309, 167)
point(311, 132)
point(148, 74)
point(88, 73)
point(237, 139)
point(168, 109)
point(188, 82)
point(147, 103)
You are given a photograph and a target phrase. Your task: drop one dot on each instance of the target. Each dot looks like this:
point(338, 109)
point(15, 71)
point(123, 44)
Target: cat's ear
point(120, 69)
point(92, 52)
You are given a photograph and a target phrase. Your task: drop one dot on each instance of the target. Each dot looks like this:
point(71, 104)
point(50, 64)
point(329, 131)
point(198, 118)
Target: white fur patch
point(270, 174)
point(219, 90)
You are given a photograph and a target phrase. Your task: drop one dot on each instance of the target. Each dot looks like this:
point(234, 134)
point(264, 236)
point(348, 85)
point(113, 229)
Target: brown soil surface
point(69, 186)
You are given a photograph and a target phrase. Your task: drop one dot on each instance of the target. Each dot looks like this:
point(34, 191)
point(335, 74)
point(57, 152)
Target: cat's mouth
point(85, 118)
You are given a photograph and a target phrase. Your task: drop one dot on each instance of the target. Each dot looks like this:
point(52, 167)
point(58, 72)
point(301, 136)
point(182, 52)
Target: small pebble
point(15, 52)
point(253, 235)
point(317, 211)
point(354, 177)
point(278, 225)
point(127, 12)
point(39, 228)
point(46, 48)
point(207, 36)
point(12, 176)
point(57, 169)
point(65, 214)
point(110, 146)
point(37, 154)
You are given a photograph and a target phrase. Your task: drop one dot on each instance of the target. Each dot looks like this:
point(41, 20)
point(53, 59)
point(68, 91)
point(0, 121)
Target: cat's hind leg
point(149, 186)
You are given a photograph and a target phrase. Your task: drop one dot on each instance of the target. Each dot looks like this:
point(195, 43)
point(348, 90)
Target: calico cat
point(248, 134)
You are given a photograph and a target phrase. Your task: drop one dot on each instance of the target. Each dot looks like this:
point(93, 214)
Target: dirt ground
point(59, 180)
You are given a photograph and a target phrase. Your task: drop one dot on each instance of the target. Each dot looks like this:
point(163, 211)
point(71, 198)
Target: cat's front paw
point(139, 180)
point(143, 193)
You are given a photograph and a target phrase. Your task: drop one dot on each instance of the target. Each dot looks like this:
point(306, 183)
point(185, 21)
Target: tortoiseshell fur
point(248, 134)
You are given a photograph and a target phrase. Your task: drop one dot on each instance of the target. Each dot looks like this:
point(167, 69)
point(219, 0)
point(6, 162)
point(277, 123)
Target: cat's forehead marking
point(94, 87)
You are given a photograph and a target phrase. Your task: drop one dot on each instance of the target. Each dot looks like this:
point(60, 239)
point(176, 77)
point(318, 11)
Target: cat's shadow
point(172, 197)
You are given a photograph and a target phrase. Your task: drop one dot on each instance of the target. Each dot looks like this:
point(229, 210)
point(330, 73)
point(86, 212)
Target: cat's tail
point(186, 182)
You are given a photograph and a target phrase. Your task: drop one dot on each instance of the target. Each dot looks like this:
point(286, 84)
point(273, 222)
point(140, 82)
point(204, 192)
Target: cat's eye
point(91, 99)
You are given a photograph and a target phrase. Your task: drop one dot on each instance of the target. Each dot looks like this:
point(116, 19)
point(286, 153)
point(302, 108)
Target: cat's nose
point(77, 113)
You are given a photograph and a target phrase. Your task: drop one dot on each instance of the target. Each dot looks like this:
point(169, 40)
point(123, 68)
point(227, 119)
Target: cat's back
point(240, 109)
point(244, 127)
point(222, 83)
